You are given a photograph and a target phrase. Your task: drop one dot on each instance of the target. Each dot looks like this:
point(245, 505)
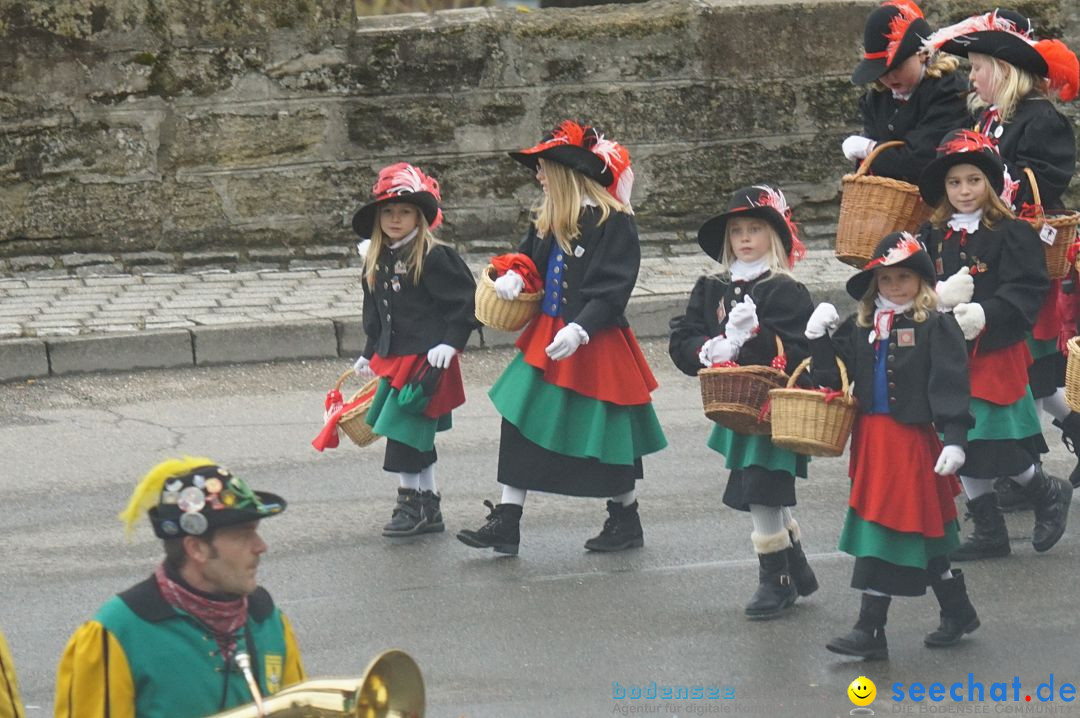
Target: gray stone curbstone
point(120, 352)
point(350, 337)
point(269, 341)
point(23, 359)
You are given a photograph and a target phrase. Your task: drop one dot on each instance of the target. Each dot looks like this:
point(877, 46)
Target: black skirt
point(893, 579)
point(756, 485)
point(1046, 374)
point(404, 459)
point(1004, 457)
point(526, 465)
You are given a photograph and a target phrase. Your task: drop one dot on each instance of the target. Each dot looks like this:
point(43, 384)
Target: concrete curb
point(22, 359)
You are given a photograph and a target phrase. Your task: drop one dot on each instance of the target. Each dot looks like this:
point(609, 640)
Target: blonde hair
point(925, 302)
point(1011, 85)
point(776, 256)
point(937, 65)
point(559, 212)
point(414, 254)
point(993, 208)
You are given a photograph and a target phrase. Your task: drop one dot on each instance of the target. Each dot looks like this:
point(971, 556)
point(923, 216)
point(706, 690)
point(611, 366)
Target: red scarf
point(223, 618)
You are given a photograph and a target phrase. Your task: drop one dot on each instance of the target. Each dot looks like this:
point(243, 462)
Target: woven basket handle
point(864, 166)
point(488, 275)
point(779, 345)
point(1034, 187)
point(845, 385)
point(341, 380)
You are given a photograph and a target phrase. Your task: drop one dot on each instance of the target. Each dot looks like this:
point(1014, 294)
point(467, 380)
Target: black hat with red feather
point(400, 182)
point(894, 32)
point(760, 201)
point(898, 249)
point(961, 147)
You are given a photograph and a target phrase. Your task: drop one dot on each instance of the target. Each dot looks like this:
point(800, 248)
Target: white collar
point(587, 201)
point(968, 221)
point(884, 315)
point(406, 239)
point(748, 271)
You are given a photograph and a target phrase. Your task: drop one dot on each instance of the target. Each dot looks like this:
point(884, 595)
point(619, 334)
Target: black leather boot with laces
point(622, 529)
point(502, 531)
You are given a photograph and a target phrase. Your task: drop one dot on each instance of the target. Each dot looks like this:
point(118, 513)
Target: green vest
point(176, 665)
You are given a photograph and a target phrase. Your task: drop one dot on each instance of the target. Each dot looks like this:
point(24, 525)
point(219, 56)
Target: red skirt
point(1001, 376)
point(449, 391)
point(609, 368)
point(892, 476)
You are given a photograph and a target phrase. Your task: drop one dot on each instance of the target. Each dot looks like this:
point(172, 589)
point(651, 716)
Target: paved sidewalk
point(60, 325)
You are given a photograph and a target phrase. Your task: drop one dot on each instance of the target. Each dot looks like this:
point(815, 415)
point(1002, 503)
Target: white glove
point(950, 460)
point(566, 341)
point(857, 147)
point(971, 318)
point(957, 289)
point(362, 247)
point(716, 351)
point(824, 319)
point(509, 285)
point(742, 321)
point(439, 356)
point(362, 368)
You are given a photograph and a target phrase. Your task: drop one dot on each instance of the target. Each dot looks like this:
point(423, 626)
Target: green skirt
point(387, 418)
point(742, 450)
point(993, 422)
point(864, 539)
point(565, 422)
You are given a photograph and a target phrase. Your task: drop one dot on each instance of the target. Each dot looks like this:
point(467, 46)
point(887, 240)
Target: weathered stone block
point(228, 138)
point(90, 146)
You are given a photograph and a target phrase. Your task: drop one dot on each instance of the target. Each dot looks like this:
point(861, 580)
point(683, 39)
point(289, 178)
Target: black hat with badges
point(957, 148)
point(899, 249)
point(763, 202)
point(894, 32)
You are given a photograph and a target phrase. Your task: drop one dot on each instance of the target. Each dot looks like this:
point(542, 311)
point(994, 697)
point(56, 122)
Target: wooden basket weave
point(811, 421)
point(502, 314)
point(872, 207)
point(736, 396)
point(353, 422)
point(1072, 375)
point(1056, 254)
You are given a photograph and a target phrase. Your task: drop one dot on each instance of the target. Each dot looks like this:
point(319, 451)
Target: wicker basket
point(872, 207)
point(1056, 254)
point(504, 315)
point(736, 397)
point(1072, 375)
point(809, 421)
point(352, 421)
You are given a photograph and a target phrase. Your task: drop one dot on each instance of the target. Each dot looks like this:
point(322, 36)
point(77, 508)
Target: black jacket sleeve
point(783, 308)
point(948, 388)
point(610, 277)
point(689, 332)
point(448, 280)
point(1023, 284)
point(1047, 146)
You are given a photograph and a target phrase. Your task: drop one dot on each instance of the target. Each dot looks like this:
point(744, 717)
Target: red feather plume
point(967, 141)
point(1064, 69)
point(570, 133)
point(899, 25)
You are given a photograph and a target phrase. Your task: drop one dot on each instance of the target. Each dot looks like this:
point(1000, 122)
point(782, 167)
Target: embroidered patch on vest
point(273, 668)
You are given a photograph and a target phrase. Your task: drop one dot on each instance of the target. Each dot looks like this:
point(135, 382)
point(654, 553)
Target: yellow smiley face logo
point(862, 691)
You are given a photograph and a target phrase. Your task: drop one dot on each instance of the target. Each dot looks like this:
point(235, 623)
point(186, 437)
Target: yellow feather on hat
point(148, 492)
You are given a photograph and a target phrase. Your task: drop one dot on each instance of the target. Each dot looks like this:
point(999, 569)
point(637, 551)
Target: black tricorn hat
point(899, 249)
point(760, 201)
point(400, 182)
point(894, 32)
point(1002, 33)
point(957, 148)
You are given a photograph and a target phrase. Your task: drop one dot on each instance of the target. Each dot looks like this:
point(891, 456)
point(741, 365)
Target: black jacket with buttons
point(1040, 138)
point(1011, 281)
point(935, 108)
point(601, 268)
point(440, 310)
point(783, 308)
point(927, 379)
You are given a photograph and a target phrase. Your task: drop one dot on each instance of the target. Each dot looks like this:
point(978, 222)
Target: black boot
point(990, 538)
point(501, 532)
point(801, 574)
point(1070, 436)
point(957, 614)
point(1051, 498)
point(622, 529)
point(775, 591)
point(432, 512)
point(408, 517)
point(1010, 496)
point(867, 639)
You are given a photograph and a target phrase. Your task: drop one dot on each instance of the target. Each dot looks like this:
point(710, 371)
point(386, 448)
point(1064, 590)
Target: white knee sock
point(1055, 405)
point(625, 499)
point(767, 520)
point(513, 495)
point(974, 488)
point(427, 479)
point(872, 592)
point(1024, 478)
point(947, 574)
point(410, 481)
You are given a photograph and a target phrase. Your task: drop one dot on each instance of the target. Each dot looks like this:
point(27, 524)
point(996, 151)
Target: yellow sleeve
point(93, 679)
point(294, 668)
point(10, 705)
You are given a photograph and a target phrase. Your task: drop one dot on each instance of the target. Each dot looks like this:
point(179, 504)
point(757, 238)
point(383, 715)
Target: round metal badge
point(191, 499)
point(194, 524)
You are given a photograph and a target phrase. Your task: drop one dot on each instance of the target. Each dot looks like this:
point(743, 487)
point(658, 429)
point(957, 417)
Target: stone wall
point(178, 133)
